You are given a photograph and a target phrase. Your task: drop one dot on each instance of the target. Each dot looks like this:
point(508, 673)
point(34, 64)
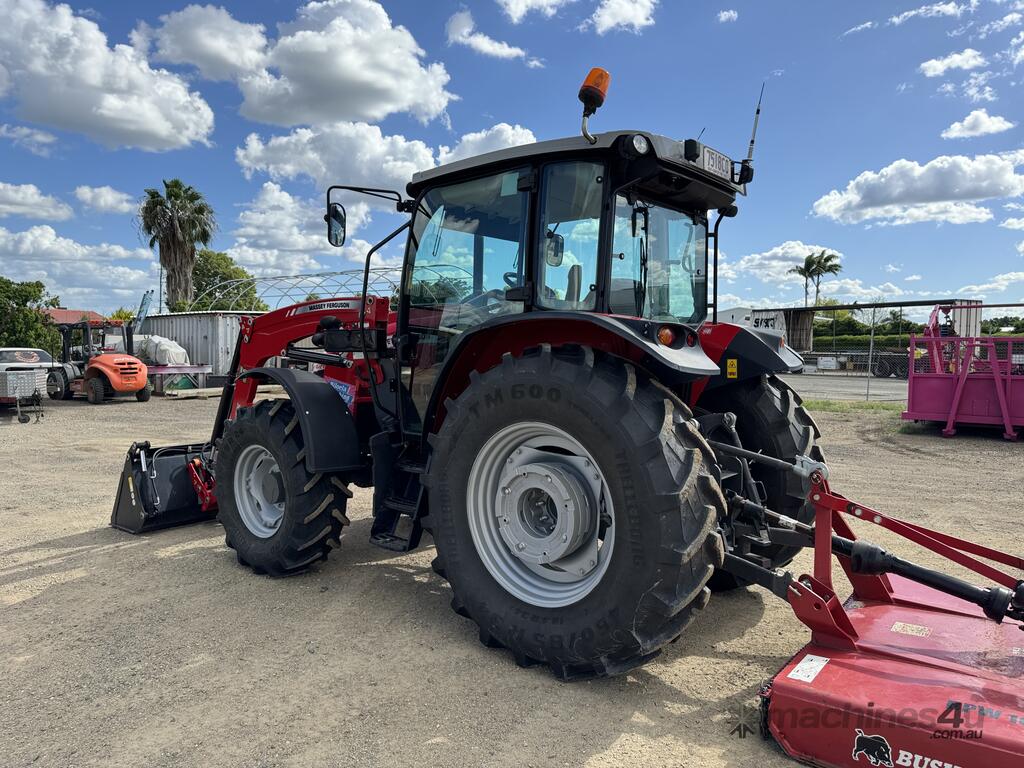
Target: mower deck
point(931, 683)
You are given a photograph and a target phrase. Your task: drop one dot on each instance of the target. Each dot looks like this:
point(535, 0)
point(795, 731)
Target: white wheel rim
point(540, 514)
point(259, 491)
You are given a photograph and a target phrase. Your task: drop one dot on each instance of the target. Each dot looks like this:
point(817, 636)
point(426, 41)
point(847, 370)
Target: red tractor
point(548, 394)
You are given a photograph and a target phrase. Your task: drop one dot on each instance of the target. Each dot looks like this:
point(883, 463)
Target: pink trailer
point(966, 380)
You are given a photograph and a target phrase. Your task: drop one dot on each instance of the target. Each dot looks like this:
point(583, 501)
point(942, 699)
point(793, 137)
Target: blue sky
point(891, 131)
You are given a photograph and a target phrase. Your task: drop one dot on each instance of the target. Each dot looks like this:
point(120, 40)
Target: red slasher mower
point(549, 394)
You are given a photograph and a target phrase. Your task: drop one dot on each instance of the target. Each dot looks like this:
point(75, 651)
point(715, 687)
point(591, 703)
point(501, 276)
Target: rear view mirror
point(554, 249)
point(335, 219)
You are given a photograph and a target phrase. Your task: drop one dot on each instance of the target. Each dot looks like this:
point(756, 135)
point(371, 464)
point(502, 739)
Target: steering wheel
point(485, 299)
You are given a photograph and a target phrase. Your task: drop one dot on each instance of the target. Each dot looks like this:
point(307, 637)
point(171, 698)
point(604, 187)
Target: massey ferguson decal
point(877, 751)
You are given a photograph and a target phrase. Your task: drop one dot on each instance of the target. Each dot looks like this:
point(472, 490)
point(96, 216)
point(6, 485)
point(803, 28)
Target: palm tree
point(806, 271)
point(824, 264)
point(176, 220)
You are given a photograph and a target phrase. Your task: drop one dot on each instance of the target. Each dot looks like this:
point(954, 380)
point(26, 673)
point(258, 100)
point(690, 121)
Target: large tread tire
point(771, 419)
point(314, 503)
point(666, 501)
point(95, 391)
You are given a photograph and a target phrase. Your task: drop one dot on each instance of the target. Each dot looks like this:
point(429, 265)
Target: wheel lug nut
point(520, 546)
point(506, 491)
point(548, 478)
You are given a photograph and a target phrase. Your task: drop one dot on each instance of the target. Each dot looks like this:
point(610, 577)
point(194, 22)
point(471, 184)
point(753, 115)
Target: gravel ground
point(160, 650)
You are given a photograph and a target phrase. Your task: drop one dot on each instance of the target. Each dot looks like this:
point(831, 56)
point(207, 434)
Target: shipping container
point(208, 337)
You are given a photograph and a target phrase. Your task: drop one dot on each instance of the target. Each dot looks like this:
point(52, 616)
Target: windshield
point(24, 356)
point(659, 263)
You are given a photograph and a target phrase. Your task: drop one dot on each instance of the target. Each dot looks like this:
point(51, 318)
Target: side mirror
point(554, 249)
point(335, 219)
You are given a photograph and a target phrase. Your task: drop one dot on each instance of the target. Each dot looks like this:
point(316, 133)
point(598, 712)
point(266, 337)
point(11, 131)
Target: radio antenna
point(701, 132)
point(753, 133)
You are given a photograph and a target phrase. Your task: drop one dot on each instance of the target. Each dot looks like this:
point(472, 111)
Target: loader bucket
point(156, 489)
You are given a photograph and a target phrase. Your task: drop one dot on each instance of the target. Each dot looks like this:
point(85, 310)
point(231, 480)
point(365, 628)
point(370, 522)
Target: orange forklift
point(91, 366)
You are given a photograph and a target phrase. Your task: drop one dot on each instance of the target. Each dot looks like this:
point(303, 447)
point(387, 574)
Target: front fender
point(482, 348)
point(746, 353)
point(330, 433)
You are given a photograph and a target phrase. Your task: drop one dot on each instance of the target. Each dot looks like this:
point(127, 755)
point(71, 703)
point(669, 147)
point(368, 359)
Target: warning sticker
point(808, 668)
point(910, 629)
point(732, 368)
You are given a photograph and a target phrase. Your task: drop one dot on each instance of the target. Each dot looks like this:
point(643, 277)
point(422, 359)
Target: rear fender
point(632, 340)
point(330, 433)
point(106, 365)
point(742, 353)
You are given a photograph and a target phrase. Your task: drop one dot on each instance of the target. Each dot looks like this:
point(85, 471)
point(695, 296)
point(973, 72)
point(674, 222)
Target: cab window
point(569, 235)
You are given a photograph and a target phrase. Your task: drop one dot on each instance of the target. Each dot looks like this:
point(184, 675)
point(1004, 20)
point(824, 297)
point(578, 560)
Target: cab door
point(466, 264)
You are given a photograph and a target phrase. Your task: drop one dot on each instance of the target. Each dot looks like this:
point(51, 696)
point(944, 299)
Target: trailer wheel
point(770, 419)
point(95, 392)
point(277, 516)
point(573, 510)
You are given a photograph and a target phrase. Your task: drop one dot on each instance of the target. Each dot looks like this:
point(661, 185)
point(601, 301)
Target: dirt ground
point(160, 650)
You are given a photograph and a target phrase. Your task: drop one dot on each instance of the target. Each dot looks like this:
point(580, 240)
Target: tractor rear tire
point(659, 508)
point(292, 518)
point(770, 419)
point(95, 391)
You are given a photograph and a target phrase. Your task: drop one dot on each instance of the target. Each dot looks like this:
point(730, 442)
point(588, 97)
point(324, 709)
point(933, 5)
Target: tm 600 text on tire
point(277, 516)
point(771, 420)
point(574, 511)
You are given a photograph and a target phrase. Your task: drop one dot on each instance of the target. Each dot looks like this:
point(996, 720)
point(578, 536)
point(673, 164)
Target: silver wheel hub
point(259, 491)
point(540, 514)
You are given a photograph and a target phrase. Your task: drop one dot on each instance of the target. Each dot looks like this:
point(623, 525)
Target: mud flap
point(156, 489)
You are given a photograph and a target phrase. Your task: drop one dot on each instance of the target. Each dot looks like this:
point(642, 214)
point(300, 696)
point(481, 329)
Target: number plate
point(717, 164)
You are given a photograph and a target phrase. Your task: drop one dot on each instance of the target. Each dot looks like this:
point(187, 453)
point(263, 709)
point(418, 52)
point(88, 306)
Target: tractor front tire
point(771, 419)
point(277, 516)
point(95, 392)
point(546, 418)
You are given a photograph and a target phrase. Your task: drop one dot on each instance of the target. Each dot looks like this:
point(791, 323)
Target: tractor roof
point(670, 152)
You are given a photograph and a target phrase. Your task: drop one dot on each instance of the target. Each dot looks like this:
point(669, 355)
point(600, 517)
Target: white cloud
point(854, 288)
point(773, 265)
point(207, 37)
point(62, 73)
point(99, 277)
point(344, 60)
point(357, 153)
point(977, 89)
point(930, 11)
point(35, 141)
point(978, 123)
point(1013, 223)
point(724, 17)
point(461, 30)
point(1016, 50)
point(999, 25)
point(912, 278)
point(1020, 247)
point(280, 233)
point(1014, 206)
point(859, 28)
point(632, 15)
point(892, 268)
point(105, 199)
point(342, 153)
point(27, 201)
point(966, 59)
point(996, 284)
point(906, 192)
point(516, 10)
point(492, 139)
